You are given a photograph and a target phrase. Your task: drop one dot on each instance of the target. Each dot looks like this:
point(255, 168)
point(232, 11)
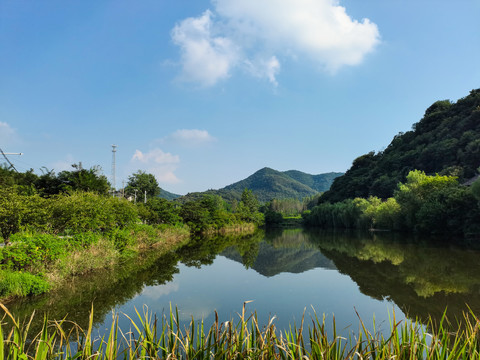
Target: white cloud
point(265, 69)
point(192, 136)
point(318, 30)
point(206, 58)
point(156, 292)
point(166, 176)
point(158, 163)
point(156, 156)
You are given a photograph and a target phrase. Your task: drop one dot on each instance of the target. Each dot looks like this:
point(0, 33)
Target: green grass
point(35, 263)
point(151, 338)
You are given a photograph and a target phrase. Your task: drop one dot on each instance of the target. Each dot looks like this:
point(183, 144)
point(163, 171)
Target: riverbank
point(36, 263)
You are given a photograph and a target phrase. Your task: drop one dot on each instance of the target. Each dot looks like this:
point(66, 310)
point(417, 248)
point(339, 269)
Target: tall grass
point(151, 338)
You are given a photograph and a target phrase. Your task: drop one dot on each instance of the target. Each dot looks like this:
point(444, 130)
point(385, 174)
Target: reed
point(151, 338)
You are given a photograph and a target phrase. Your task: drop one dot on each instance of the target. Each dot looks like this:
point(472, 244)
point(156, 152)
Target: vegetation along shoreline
point(58, 226)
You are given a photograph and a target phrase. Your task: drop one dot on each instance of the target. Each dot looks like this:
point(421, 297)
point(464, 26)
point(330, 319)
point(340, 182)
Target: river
point(285, 274)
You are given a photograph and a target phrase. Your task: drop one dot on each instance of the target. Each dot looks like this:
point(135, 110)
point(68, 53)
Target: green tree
point(248, 208)
point(160, 211)
point(418, 190)
point(141, 182)
point(90, 180)
point(11, 212)
point(195, 215)
point(48, 183)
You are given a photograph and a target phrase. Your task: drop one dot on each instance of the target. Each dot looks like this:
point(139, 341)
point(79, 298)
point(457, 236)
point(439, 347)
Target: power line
point(8, 161)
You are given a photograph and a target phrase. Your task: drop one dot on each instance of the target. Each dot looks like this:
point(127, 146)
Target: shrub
point(84, 240)
point(21, 284)
point(33, 251)
point(160, 211)
point(80, 212)
point(121, 238)
point(11, 212)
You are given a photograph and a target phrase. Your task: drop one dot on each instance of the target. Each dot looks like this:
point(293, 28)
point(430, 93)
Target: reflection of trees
point(107, 289)
point(104, 289)
point(421, 278)
point(203, 250)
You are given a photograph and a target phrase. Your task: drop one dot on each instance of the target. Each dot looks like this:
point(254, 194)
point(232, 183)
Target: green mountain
point(319, 183)
point(445, 141)
point(268, 184)
point(164, 194)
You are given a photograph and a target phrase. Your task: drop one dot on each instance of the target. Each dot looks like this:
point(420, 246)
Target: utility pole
point(123, 188)
point(145, 198)
point(135, 195)
point(8, 161)
point(114, 150)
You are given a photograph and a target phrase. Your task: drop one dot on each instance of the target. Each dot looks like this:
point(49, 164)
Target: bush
point(33, 251)
point(84, 240)
point(121, 238)
point(388, 215)
point(81, 212)
point(21, 284)
point(159, 211)
point(11, 212)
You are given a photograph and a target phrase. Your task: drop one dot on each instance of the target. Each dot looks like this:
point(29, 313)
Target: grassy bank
point(35, 263)
point(244, 338)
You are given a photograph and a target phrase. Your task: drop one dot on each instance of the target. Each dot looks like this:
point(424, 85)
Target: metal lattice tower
point(114, 150)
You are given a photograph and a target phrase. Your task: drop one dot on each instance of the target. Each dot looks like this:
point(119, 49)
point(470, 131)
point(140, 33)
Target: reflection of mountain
point(421, 279)
point(288, 251)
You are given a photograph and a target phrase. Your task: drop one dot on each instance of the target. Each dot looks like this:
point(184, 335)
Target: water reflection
point(149, 277)
point(290, 250)
point(423, 277)
point(284, 272)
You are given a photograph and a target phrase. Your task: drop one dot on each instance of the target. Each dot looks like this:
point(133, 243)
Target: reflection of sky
point(224, 285)
point(158, 291)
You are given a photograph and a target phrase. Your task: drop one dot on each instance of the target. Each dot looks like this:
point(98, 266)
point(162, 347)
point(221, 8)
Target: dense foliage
point(211, 212)
point(53, 227)
point(49, 184)
point(427, 204)
point(445, 141)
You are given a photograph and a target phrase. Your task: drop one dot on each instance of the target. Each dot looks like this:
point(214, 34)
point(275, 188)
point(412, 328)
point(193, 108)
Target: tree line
point(45, 201)
point(423, 203)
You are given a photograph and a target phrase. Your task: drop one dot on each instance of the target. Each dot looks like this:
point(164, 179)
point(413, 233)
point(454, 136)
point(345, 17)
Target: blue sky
point(204, 93)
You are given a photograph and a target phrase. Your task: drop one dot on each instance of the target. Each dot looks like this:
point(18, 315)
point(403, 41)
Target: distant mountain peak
point(267, 184)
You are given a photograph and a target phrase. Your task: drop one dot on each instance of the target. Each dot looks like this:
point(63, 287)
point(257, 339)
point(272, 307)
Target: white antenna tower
point(114, 150)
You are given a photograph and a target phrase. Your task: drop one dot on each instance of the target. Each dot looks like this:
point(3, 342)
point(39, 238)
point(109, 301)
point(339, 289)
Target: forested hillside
point(268, 184)
point(445, 141)
point(164, 194)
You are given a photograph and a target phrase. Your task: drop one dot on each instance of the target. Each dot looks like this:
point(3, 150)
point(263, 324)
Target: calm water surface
point(284, 274)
